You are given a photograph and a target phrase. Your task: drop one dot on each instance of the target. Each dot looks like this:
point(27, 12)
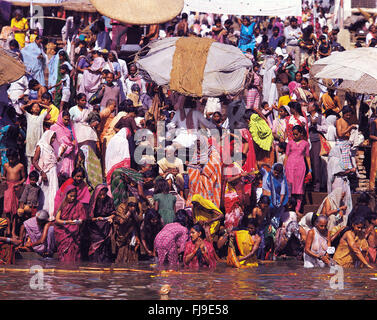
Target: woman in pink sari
point(77, 181)
point(65, 139)
point(199, 252)
point(67, 230)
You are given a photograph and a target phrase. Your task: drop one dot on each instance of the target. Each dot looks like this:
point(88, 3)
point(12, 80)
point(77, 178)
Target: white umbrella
point(357, 68)
point(220, 70)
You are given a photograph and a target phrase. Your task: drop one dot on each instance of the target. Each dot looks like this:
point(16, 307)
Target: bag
point(325, 146)
point(97, 97)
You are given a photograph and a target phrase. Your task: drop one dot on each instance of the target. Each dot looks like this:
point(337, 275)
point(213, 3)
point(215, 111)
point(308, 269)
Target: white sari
point(48, 163)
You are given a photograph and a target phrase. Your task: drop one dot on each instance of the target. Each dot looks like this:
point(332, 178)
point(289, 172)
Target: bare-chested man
point(14, 174)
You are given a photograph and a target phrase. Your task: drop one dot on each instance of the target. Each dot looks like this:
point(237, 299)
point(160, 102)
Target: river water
point(269, 281)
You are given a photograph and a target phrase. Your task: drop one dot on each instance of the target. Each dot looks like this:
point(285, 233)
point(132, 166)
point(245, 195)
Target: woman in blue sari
point(275, 186)
point(247, 39)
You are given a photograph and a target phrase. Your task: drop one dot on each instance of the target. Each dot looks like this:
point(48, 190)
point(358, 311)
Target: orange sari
point(206, 182)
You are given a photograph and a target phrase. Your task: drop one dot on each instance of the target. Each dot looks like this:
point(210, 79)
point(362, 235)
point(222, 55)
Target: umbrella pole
point(31, 14)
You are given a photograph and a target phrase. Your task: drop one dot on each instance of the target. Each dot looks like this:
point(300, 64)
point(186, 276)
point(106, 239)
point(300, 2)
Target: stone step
point(314, 200)
point(310, 208)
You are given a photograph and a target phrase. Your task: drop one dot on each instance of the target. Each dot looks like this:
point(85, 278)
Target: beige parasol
point(139, 11)
point(357, 68)
point(11, 69)
point(194, 66)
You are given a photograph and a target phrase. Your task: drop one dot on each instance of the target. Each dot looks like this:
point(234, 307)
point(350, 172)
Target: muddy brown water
point(142, 281)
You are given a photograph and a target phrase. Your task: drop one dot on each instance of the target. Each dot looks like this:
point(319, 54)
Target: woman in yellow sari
point(353, 246)
point(330, 101)
point(207, 214)
point(243, 246)
point(20, 26)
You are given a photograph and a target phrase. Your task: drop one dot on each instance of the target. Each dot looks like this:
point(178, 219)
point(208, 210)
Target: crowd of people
point(75, 184)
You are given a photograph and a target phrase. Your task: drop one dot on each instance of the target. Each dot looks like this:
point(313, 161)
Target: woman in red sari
point(67, 230)
point(77, 180)
point(199, 252)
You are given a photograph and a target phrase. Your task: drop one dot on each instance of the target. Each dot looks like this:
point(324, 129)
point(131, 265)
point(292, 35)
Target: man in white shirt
point(292, 33)
point(187, 125)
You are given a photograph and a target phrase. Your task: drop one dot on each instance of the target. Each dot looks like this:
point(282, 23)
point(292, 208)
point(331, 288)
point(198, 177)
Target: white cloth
point(281, 52)
point(185, 137)
point(129, 83)
point(319, 246)
point(49, 191)
point(48, 162)
point(117, 150)
point(270, 92)
point(47, 158)
point(34, 131)
point(84, 132)
point(16, 90)
point(212, 105)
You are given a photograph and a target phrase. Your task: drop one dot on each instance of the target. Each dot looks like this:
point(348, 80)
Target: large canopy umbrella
point(195, 66)
point(357, 68)
point(140, 12)
point(11, 69)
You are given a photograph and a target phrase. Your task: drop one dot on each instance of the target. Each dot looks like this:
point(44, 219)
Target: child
point(36, 86)
point(104, 74)
point(34, 120)
point(134, 95)
point(29, 198)
point(249, 54)
point(267, 112)
point(110, 91)
point(324, 48)
point(14, 174)
point(17, 222)
point(54, 113)
point(66, 86)
point(258, 180)
point(290, 68)
point(165, 202)
point(282, 146)
point(80, 163)
point(94, 118)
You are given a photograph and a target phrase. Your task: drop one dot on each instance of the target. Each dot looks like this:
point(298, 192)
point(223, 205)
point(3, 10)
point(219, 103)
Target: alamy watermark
point(337, 280)
point(37, 280)
point(187, 143)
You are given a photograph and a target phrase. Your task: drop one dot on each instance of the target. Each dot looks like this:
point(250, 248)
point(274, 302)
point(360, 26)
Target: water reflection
point(278, 280)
